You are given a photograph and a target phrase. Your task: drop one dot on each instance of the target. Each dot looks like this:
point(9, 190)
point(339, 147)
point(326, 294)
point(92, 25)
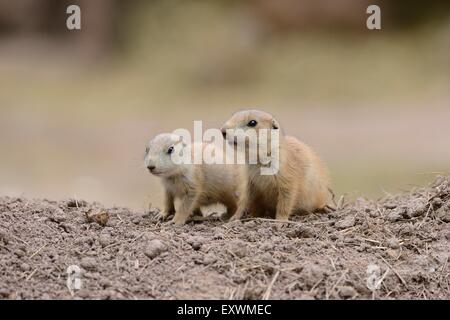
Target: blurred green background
point(77, 107)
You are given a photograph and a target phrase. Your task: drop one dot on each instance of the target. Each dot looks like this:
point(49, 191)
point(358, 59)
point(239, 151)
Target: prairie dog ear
point(182, 140)
point(275, 124)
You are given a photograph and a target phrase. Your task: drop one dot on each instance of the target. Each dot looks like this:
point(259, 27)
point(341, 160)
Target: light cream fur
point(195, 185)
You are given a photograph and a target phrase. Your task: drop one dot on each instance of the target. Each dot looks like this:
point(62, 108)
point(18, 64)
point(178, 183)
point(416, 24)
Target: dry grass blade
point(266, 295)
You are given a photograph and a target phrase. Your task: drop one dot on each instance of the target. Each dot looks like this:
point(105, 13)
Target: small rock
point(253, 293)
point(4, 293)
point(155, 248)
point(393, 243)
point(101, 217)
point(419, 211)
point(390, 205)
point(105, 283)
point(88, 263)
point(447, 236)
point(345, 223)
point(83, 293)
point(393, 254)
point(19, 253)
point(446, 218)
point(393, 216)
point(25, 267)
point(209, 259)
point(347, 292)
point(58, 216)
point(136, 220)
point(436, 202)
point(104, 240)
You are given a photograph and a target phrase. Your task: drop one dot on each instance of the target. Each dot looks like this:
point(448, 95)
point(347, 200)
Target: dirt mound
point(397, 247)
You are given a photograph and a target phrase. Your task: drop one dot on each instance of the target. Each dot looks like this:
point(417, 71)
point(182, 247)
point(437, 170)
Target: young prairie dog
point(196, 185)
point(301, 183)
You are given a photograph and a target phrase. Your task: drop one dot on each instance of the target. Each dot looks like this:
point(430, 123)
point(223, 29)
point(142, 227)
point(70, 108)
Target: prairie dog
point(195, 185)
point(301, 183)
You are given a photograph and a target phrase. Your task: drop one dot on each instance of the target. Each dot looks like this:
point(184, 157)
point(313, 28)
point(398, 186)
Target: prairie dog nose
point(151, 168)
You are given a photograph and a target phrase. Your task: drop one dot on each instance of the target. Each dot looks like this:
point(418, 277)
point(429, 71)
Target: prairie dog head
point(243, 123)
point(162, 155)
point(257, 132)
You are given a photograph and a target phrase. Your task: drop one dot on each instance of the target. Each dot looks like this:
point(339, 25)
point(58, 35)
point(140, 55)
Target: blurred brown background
point(76, 107)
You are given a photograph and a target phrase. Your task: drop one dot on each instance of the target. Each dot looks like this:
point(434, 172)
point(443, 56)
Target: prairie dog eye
point(252, 123)
point(170, 150)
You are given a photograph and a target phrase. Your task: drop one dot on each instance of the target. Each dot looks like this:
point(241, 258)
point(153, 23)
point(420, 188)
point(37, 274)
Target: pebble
point(25, 267)
point(436, 202)
point(136, 220)
point(347, 292)
point(394, 216)
point(345, 223)
point(88, 263)
point(83, 293)
point(391, 253)
point(390, 206)
point(58, 215)
point(104, 240)
point(209, 259)
point(19, 253)
point(155, 248)
point(105, 283)
point(4, 293)
point(393, 243)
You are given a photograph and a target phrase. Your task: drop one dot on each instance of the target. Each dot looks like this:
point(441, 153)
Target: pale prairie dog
point(301, 183)
point(195, 185)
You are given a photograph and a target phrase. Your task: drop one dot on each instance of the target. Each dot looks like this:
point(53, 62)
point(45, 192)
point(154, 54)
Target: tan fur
point(301, 184)
point(196, 185)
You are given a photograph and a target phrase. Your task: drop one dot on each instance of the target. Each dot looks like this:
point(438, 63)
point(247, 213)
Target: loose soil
point(393, 248)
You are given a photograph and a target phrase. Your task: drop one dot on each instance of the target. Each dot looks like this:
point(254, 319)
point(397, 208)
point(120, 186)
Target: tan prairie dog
point(300, 184)
point(195, 185)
